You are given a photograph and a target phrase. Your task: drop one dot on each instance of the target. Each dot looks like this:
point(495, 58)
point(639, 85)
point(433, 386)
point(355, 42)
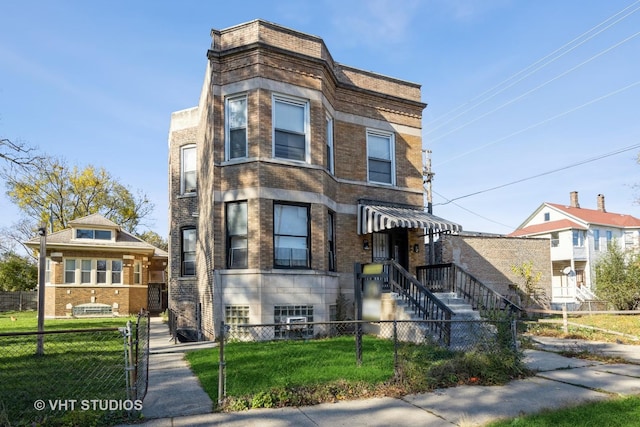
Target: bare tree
point(18, 153)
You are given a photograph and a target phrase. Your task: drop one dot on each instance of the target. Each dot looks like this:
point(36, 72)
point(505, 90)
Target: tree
point(618, 278)
point(58, 193)
point(530, 281)
point(17, 153)
point(17, 273)
point(155, 239)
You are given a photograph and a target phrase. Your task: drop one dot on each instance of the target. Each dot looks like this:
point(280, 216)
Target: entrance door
point(391, 245)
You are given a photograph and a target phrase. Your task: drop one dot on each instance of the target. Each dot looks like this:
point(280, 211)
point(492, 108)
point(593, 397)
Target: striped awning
point(373, 218)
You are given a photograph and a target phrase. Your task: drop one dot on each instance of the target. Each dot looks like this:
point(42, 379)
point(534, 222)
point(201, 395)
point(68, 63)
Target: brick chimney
point(574, 200)
point(601, 203)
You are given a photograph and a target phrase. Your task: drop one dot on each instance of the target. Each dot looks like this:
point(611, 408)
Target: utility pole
point(42, 232)
point(427, 176)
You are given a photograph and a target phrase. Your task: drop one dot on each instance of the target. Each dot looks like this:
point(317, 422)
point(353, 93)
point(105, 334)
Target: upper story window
point(546, 216)
point(291, 236)
point(609, 235)
point(380, 157)
point(188, 252)
point(84, 233)
point(237, 248)
point(290, 128)
point(329, 162)
point(555, 239)
point(236, 128)
point(188, 173)
point(596, 240)
point(578, 238)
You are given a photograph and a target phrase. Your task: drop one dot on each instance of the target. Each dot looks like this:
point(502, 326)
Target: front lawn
point(295, 373)
point(621, 412)
point(610, 328)
point(75, 367)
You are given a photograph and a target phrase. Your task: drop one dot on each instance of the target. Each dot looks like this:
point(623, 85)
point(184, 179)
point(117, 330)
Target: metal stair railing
point(452, 278)
point(419, 299)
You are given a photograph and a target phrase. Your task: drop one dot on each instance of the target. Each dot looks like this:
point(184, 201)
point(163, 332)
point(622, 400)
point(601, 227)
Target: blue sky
point(509, 96)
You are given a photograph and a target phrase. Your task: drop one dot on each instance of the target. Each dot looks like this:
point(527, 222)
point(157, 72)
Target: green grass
point(610, 325)
point(620, 412)
point(294, 373)
point(80, 366)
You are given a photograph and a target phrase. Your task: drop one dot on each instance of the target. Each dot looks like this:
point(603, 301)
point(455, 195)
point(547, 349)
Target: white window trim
point(182, 169)
point(329, 143)
point(392, 142)
point(296, 101)
point(227, 129)
point(94, 272)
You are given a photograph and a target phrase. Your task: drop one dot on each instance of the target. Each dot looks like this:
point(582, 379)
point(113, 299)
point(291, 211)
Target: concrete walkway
point(175, 398)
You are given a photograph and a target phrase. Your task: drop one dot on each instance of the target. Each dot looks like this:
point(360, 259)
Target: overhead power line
point(474, 213)
point(534, 66)
point(540, 123)
point(529, 92)
point(592, 159)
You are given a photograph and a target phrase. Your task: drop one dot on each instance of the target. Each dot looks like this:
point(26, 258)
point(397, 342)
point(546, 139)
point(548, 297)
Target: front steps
point(467, 327)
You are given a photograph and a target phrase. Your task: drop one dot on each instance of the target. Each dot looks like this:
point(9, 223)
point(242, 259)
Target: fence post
point(395, 346)
point(221, 365)
point(358, 296)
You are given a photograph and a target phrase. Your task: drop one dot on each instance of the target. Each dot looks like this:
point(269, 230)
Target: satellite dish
point(566, 270)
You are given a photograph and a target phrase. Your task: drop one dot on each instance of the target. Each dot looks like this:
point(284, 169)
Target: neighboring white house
point(578, 237)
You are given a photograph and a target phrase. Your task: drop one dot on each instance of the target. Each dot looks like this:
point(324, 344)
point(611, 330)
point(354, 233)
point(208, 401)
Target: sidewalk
point(175, 398)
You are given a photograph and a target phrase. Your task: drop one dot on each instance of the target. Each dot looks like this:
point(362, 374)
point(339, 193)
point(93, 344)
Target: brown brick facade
point(261, 60)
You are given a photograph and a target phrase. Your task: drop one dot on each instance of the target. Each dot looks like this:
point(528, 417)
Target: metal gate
point(156, 299)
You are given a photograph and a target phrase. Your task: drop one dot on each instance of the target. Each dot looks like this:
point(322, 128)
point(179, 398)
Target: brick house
point(578, 237)
point(291, 168)
point(96, 268)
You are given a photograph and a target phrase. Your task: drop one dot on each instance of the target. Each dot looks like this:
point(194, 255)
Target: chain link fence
point(396, 338)
point(74, 377)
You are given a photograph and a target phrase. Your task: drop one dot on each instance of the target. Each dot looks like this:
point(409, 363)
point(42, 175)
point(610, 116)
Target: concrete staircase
point(467, 328)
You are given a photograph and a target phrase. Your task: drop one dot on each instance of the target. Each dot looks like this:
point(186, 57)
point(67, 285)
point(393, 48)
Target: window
point(331, 241)
point(236, 314)
point(188, 182)
point(291, 236)
point(137, 276)
point(47, 271)
point(596, 240)
point(546, 216)
point(93, 234)
point(116, 271)
point(609, 237)
point(188, 259)
point(101, 271)
point(288, 315)
point(380, 155)
point(236, 130)
point(578, 238)
point(555, 239)
point(290, 124)
point(329, 137)
point(85, 271)
point(70, 271)
point(237, 249)
point(628, 239)
point(90, 271)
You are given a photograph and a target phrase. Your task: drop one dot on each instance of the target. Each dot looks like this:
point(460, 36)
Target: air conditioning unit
point(294, 323)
